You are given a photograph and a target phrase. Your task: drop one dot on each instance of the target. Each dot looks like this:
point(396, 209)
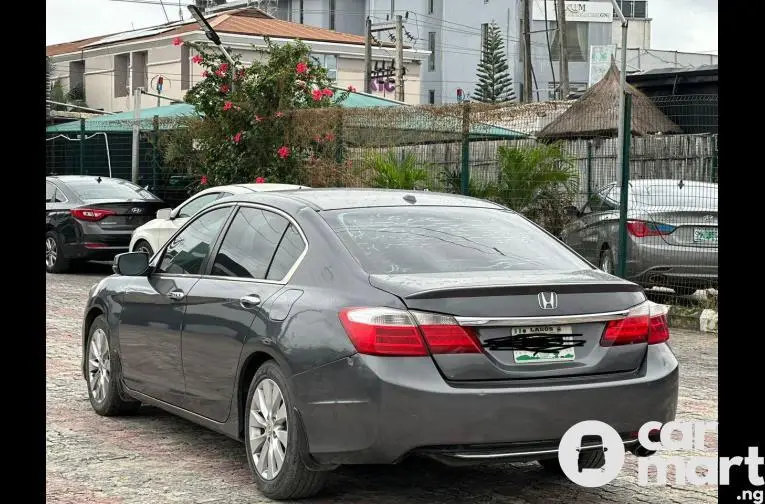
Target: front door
point(153, 310)
point(251, 265)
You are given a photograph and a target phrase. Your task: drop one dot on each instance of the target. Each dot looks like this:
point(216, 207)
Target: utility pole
point(561, 21)
point(400, 58)
point(136, 133)
point(526, 29)
point(368, 58)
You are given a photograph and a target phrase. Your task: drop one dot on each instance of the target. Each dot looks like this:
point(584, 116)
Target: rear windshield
point(447, 239)
point(108, 189)
point(689, 196)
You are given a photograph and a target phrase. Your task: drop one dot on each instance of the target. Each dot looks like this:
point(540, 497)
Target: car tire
point(143, 245)
point(54, 254)
point(104, 373)
point(606, 262)
point(273, 431)
point(593, 459)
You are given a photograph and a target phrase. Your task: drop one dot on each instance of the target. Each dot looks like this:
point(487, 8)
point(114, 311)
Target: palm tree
point(388, 171)
point(452, 181)
point(538, 181)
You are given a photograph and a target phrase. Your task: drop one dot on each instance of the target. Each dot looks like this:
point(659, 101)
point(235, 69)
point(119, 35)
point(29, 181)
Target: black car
point(92, 218)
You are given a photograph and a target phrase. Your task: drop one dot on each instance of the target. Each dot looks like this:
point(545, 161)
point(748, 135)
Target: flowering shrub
point(245, 127)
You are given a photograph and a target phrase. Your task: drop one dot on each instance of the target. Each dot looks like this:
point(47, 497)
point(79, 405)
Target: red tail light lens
point(90, 214)
point(646, 323)
point(387, 331)
point(383, 331)
point(641, 229)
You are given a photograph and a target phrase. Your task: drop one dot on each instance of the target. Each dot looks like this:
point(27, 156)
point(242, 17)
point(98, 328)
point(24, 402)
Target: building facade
point(108, 69)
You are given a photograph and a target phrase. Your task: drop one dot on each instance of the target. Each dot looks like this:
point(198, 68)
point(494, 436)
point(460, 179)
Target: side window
point(187, 252)
point(290, 248)
point(50, 192)
point(611, 200)
point(249, 244)
point(197, 204)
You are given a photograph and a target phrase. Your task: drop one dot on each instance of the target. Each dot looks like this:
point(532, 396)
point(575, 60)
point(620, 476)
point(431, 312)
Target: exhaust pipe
point(639, 450)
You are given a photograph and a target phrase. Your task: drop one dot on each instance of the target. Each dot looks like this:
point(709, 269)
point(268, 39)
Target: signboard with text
point(587, 12)
point(600, 61)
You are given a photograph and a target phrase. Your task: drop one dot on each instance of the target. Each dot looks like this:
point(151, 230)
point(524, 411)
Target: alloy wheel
point(268, 429)
point(99, 365)
point(51, 252)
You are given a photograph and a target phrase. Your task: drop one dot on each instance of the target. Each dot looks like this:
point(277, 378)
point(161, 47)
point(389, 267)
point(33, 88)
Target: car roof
point(248, 188)
point(341, 198)
point(671, 183)
point(73, 178)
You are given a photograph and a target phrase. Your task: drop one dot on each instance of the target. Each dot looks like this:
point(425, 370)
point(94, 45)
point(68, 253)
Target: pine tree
point(494, 81)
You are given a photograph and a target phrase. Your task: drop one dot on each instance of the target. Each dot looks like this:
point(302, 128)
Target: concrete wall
point(638, 33)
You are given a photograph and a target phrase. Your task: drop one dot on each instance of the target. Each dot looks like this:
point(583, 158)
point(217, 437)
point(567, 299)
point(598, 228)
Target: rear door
point(503, 279)
point(252, 263)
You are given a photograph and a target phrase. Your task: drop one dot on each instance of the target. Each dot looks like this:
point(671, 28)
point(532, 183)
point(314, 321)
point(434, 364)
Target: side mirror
point(572, 211)
point(164, 213)
point(131, 263)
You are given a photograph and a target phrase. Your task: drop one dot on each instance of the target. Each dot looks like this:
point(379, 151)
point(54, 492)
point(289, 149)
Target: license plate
point(525, 357)
point(705, 235)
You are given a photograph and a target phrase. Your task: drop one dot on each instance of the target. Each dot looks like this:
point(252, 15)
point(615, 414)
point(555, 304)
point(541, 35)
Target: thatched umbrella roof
point(596, 113)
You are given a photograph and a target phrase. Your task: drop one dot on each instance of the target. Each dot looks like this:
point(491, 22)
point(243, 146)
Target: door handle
point(249, 302)
point(176, 295)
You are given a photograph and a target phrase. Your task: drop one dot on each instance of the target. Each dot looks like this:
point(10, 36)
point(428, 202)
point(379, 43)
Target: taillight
point(388, 331)
point(90, 214)
point(646, 323)
point(641, 229)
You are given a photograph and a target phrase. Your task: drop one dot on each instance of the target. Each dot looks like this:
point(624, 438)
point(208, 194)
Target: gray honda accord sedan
point(339, 326)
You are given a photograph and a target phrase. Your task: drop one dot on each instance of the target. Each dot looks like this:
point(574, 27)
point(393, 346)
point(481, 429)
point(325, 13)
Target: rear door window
point(249, 244)
point(447, 239)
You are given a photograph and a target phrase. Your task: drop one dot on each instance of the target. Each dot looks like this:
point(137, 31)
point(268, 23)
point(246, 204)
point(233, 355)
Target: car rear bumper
point(662, 264)
point(367, 410)
point(98, 246)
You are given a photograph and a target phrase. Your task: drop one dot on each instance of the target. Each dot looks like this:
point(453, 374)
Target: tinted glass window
point(187, 252)
point(290, 248)
point(50, 190)
point(249, 244)
point(197, 204)
point(447, 239)
point(97, 188)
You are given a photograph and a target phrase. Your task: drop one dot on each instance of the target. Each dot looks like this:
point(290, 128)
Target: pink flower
point(258, 118)
point(239, 74)
point(283, 151)
point(228, 105)
point(317, 139)
point(301, 68)
point(205, 74)
point(327, 92)
point(260, 180)
point(223, 67)
point(224, 88)
point(177, 41)
point(197, 59)
point(317, 95)
point(219, 73)
point(279, 114)
point(351, 88)
point(329, 137)
point(204, 180)
point(237, 138)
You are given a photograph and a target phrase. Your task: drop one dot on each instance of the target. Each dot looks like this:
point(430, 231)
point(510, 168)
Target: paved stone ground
point(157, 458)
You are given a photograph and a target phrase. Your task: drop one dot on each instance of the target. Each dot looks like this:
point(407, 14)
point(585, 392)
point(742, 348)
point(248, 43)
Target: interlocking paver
point(157, 458)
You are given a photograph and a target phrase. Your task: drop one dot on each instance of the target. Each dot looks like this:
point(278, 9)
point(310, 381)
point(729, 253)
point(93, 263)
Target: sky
point(678, 25)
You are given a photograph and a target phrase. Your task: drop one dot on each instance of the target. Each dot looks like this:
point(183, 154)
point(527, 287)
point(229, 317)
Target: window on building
point(185, 67)
point(328, 61)
point(77, 77)
point(432, 96)
point(484, 37)
point(430, 6)
point(301, 11)
point(140, 69)
point(331, 14)
point(121, 75)
point(432, 49)
point(632, 8)
point(577, 41)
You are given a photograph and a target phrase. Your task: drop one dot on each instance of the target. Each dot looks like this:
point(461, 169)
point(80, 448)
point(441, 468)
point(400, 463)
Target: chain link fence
point(555, 162)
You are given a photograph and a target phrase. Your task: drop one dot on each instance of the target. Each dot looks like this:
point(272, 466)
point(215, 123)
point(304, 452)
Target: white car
point(152, 235)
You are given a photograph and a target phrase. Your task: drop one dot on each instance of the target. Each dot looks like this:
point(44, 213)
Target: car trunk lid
point(519, 318)
point(117, 215)
point(685, 227)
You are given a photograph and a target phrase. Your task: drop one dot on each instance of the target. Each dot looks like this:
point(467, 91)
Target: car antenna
point(98, 179)
point(409, 198)
point(680, 184)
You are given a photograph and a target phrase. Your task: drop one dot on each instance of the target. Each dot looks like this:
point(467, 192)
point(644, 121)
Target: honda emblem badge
point(547, 300)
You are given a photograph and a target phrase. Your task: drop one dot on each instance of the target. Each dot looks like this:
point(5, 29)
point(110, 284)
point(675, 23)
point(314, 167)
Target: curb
point(693, 318)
